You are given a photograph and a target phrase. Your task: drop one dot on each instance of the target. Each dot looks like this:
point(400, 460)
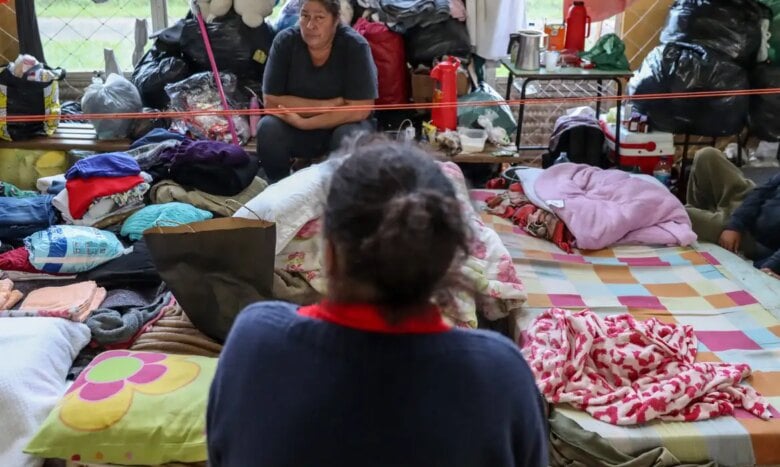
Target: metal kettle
point(525, 48)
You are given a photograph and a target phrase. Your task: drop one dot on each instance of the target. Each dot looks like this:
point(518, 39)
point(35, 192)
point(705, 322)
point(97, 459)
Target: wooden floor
point(81, 136)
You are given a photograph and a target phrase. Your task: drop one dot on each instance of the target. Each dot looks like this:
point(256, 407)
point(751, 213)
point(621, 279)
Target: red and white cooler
point(643, 150)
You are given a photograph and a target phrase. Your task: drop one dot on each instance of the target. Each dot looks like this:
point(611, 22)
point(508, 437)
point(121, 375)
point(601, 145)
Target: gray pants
point(716, 189)
point(278, 143)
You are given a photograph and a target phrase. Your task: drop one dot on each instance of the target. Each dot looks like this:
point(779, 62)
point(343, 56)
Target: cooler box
point(643, 150)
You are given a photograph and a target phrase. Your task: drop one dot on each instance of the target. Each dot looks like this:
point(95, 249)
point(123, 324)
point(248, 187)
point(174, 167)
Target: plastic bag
point(33, 89)
point(153, 72)
point(426, 44)
point(609, 53)
point(764, 114)
point(680, 68)
point(469, 114)
point(730, 27)
point(496, 135)
point(117, 95)
point(387, 48)
point(199, 92)
point(774, 30)
point(142, 126)
point(237, 48)
point(71, 249)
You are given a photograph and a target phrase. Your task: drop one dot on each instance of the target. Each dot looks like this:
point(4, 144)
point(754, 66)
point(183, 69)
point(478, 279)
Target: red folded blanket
point(83, 191)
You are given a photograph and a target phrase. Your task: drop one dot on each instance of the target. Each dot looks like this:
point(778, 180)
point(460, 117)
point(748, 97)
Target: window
point(540, 11)
point(75, 32)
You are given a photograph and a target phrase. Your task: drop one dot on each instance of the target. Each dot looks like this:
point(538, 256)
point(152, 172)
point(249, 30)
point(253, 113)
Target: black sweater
point(295, 391)
point(759, 214)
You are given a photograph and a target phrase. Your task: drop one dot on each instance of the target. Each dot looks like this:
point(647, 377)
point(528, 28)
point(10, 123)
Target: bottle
point(577, 27)
point(562, 159)
point(663, 171)
point(445, 75)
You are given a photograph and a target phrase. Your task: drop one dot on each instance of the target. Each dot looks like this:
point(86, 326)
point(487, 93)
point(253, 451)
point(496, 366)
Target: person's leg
point(715, 189)
point(278, 143)
point(716, 183)
point(348, 130)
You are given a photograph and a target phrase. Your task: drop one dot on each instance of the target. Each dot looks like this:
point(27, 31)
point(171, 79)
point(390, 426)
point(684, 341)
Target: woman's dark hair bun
point(395, 219)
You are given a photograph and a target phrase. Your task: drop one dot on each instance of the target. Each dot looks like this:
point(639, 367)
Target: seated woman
point(728, 209)
point(320, 63)
point(374, 376)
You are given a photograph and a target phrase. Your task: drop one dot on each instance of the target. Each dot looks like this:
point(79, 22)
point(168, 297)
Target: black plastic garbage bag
point(425, 44)
point(142, 126)
point(238, 49)
point(153, 72)
point(685, 68)
point(168, 40)
point(764, 114)
point(730, 27)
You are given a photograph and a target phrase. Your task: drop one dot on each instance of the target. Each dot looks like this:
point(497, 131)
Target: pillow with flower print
point(131, 408)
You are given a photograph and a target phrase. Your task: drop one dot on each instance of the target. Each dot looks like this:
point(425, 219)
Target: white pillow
point(38, 354)
point(527, 177)
point(293, 201)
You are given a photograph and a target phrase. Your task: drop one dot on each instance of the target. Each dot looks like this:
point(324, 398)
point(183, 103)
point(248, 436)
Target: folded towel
point(75, 301)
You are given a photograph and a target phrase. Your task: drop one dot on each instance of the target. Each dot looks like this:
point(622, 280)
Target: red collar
point(368, 318)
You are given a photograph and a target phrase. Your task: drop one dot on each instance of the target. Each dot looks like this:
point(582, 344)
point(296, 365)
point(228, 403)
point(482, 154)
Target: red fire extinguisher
point(577, 27)
point(445, 77)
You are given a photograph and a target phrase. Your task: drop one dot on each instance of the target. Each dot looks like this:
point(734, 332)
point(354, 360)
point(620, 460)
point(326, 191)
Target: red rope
point(409, 106)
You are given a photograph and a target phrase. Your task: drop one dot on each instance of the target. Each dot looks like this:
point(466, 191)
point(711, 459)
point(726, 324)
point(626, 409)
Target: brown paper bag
point(215, 268)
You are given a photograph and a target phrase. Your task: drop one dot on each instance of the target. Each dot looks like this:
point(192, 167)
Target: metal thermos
point(529, 45)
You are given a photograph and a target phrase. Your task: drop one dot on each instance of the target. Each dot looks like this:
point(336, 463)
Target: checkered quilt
point(676, 285)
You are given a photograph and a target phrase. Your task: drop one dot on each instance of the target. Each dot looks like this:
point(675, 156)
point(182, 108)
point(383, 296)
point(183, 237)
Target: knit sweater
point(292, 390)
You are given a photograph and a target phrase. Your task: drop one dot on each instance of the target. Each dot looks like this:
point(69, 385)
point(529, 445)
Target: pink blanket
point(626, 372)
point(608, 207)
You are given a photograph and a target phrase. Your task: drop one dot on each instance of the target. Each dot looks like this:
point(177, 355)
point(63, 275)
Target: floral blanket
point(627, 372)
point(493, 286)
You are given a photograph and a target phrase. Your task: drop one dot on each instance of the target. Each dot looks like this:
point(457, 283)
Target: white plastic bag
point(116, 95)
point(71, 249)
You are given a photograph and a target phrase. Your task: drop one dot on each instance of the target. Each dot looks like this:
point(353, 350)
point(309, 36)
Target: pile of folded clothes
point(100, 190)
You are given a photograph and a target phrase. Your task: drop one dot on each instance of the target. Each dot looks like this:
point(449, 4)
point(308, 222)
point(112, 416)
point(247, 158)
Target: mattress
point(729, 305)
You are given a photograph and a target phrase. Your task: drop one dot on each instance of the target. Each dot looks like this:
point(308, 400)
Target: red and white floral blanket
point(625, 372)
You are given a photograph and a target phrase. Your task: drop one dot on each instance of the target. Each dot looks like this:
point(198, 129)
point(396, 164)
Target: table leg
point(599, 94)
point(521, 112)
point(618, 125)
point(509, 82)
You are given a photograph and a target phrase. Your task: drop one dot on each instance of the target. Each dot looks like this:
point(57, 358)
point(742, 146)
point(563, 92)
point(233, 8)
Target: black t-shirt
point(349, 73)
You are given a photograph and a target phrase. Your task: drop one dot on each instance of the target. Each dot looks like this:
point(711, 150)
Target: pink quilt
point(603, 208)
point(626, 372)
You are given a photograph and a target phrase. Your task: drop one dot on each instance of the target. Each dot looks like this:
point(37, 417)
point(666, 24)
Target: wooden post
point(9, 35)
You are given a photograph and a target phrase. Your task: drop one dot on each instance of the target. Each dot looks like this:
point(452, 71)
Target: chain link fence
point(74, 33)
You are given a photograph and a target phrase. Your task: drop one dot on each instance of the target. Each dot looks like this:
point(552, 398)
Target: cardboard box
point(423, 85)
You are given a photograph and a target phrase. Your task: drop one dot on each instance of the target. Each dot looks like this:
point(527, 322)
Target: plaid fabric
point(514, 205)
point(676, 285)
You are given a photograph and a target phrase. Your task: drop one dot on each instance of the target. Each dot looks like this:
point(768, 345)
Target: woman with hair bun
point(373, 375)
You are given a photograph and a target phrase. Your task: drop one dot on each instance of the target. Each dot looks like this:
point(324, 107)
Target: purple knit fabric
point(209, 152)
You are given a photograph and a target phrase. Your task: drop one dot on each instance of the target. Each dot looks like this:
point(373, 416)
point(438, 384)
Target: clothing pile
point(8, 295)
point(100, 190)
point(626, 372)
point(74, 302)
point(515, 206)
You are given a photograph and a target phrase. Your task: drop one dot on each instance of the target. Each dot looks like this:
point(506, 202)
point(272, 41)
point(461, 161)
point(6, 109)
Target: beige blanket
point(168, 191)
